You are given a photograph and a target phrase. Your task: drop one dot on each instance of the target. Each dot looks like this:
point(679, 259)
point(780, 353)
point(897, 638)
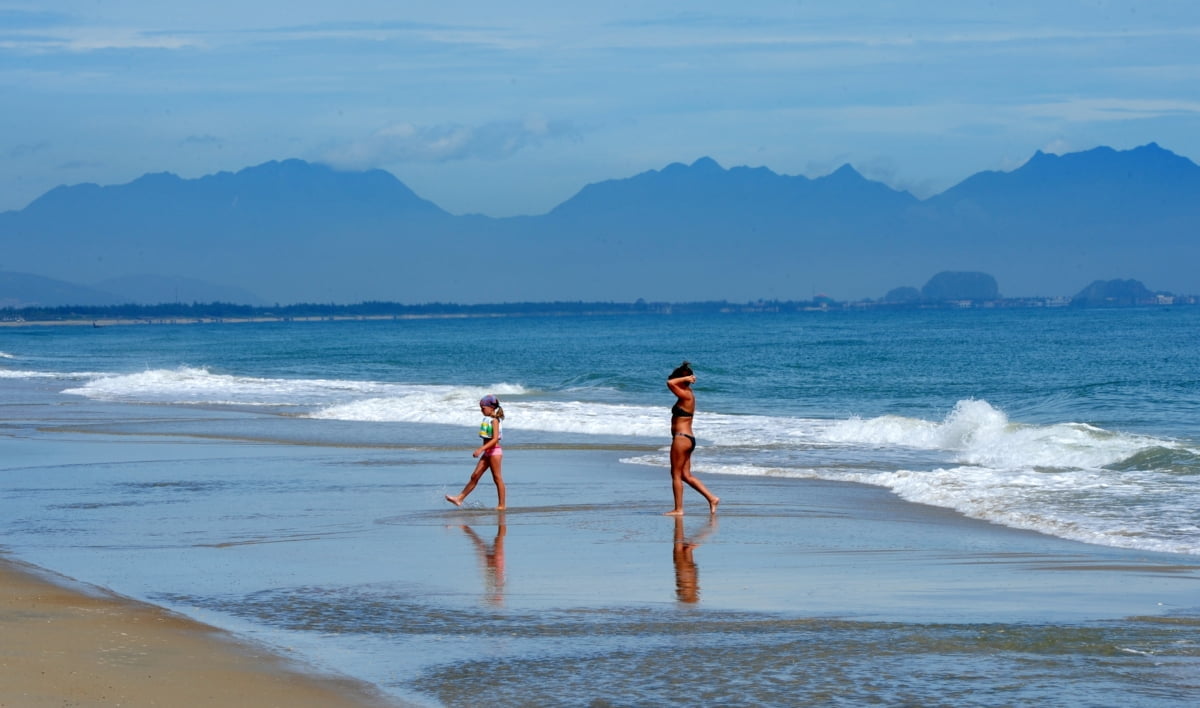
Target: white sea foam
point(11, 374)
point(1088, 505)
point(198, 385)
point(6, 355)
point(451, 405)
point(979, 434)
point(459, 406)
point(575, 417)
point(1092, 506)
point(1054, 479)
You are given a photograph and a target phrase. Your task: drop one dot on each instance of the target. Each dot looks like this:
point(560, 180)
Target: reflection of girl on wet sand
point(683, 442)
point(492, 558)
point(687, 576)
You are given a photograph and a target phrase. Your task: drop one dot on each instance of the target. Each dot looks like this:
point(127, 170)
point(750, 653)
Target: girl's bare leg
point(497, 462)
point(462, 496)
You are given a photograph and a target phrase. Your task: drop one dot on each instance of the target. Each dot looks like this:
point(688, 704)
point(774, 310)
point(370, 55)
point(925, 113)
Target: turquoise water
point(254, 475)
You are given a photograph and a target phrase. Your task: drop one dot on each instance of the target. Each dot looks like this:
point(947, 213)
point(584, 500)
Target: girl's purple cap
point(490, 401)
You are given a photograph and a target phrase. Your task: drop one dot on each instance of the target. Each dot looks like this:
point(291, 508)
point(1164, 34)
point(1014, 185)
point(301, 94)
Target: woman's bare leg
point(681, 472)
point(681, 457)
point(694, 483)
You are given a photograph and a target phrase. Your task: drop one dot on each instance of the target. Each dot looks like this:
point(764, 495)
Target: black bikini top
point(677, 411)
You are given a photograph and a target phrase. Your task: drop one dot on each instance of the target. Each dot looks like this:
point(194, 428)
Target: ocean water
point(1079, 425)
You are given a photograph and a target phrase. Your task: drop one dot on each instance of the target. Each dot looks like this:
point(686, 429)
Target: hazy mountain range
point(293, 231)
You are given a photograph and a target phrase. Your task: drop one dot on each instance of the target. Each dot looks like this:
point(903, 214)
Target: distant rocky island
point(1123, 293)
point(948, 286)
point(972, 289)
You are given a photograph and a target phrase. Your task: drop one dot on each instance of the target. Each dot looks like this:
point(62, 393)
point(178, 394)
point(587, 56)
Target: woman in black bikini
point(683, 442)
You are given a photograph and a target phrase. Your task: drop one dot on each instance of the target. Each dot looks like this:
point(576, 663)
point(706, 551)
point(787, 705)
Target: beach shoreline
point(66, 643)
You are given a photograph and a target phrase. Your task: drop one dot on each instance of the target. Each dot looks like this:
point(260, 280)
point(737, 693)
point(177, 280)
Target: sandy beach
point(67, 644)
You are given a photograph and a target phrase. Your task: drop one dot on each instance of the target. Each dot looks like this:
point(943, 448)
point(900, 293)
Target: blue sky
point(511, 108)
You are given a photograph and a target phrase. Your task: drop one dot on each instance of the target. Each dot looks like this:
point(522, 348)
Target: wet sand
point(66, 644)
point(582, 587)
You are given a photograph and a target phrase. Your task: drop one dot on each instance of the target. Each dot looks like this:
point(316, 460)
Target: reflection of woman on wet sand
point(492, 558)
point(683, 442)
point(687, 577)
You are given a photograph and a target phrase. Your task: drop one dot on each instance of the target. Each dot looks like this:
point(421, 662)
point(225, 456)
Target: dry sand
point(70, 645)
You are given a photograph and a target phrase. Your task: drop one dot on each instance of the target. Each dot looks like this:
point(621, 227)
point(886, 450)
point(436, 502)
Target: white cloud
point(1057, 147)
point(944, 116)
point(90, 39)
point(407, 142)
point(1108, 109)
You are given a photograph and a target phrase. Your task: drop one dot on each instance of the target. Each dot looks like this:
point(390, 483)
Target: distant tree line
point(980, 291)
point(225, 310)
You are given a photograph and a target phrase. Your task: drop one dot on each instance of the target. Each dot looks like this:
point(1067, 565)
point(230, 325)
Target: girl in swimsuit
point(489, 453)
point(683, 442)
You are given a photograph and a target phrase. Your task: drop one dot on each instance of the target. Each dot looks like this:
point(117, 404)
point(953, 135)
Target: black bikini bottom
point(689, 437)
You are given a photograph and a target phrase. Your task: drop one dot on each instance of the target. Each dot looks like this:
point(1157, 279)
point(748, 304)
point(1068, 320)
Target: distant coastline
point(226, 313)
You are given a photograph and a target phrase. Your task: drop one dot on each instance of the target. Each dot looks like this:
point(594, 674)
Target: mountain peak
point(278, 184)
point(157, 178)
point(845, 173)
point(704, 187)
point(703, 167)
point(1102, 174)
point(1150, 154)
point(290, 166)
point(1153, 152)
